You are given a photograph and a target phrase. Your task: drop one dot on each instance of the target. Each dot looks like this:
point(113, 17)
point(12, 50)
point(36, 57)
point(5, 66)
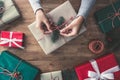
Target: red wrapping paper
point(104, 63)
point(15, 35)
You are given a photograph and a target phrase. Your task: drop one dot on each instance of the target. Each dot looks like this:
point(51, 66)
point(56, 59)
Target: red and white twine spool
point(96, 46)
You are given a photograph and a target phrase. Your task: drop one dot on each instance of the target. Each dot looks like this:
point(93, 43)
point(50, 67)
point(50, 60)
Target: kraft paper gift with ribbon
point(69, 74)
point(104, 68)
point(10, 13)
point(11, 39)
point(65, 10)
point(56, 75)
point(13, 68)
point(108, 18)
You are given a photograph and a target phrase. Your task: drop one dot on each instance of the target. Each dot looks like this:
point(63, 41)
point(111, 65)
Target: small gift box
point(45, 41)
point(69, 74)
point(56, 75)
point(13, 68)
point(104, 68)
point(11, 39)
point(108, 18)
point(8, 12)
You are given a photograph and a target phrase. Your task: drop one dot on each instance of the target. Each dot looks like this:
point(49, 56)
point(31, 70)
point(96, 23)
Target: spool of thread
point(96, 46)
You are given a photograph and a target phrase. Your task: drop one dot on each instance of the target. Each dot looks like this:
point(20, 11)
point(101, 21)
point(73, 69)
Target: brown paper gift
point(67, 11)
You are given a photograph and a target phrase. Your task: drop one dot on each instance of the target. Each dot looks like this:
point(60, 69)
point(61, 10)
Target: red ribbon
point(55, 27)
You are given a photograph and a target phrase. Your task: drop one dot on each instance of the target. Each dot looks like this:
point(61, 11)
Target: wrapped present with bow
point(104, 68)
point(13, 68)
point(56, 75)
point(60, 17)
point(108, 18)
point(11, 39)
point(69, 74)
point(8, 12)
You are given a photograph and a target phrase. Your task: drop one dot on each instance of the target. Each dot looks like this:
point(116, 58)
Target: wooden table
point(68, 56)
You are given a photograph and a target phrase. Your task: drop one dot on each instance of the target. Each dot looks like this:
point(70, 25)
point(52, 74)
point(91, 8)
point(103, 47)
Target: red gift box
point(11, 39)
point(105, 68)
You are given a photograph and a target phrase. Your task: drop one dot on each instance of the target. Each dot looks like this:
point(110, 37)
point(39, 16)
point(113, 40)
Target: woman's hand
point(73, 28)
point(42, 19)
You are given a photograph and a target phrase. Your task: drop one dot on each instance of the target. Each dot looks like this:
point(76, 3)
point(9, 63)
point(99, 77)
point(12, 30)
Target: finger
point(47, 25)
point(39, 26)
point(64, 29)
point(72, 33)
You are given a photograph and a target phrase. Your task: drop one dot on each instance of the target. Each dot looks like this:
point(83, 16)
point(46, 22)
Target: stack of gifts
point(45, 42)
point(108, 18)
point(104, 68)
point(14, 68)
point(11, 39)
point(8, 12)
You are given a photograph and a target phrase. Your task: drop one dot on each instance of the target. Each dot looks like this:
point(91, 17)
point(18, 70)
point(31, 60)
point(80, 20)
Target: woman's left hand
point(73, 28)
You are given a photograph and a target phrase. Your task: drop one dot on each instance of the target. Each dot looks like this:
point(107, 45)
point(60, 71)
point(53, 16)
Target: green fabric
point(56, 33)
point(10, 12)
point(69, 75)
point(10, 61)
point(106, 12)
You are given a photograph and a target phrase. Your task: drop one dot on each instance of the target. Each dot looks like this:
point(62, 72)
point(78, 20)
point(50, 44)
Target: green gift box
point(9, 14)
point(69, 74)
point(108, 18)
point(13, 68)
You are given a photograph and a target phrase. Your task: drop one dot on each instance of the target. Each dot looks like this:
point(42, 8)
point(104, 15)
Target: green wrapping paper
point(69, 75)
point(9, 14)
point(108, 18)
point(13, 64)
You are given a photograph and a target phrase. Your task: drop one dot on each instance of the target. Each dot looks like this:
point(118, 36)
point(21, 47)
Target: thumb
point(48, 25)
point(66, 28)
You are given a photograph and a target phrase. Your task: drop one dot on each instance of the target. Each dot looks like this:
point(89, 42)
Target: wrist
point(40, 10)
point(80, 19)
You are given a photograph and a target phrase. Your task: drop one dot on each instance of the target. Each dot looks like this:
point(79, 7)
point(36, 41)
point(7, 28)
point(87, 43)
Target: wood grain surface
point(68, 56)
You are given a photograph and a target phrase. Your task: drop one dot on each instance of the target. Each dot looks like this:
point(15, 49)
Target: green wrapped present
point(56, 75)
point(69, 74)
point(8, 12)
point(13, 68)
point(108, 18)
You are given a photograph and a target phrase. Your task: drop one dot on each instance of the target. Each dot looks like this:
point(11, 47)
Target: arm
point(75, 25)
point(85, 8)
point(40, 16)
point(36, 5)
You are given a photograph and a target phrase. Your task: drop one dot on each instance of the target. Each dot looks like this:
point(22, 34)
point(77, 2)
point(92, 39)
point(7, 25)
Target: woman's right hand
point(42, 19)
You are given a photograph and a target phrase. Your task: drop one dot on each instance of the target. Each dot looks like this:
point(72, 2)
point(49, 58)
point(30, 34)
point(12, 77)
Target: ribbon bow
point(13, 75)
point(11, 40)
point(106, 75)
point(113, 16)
